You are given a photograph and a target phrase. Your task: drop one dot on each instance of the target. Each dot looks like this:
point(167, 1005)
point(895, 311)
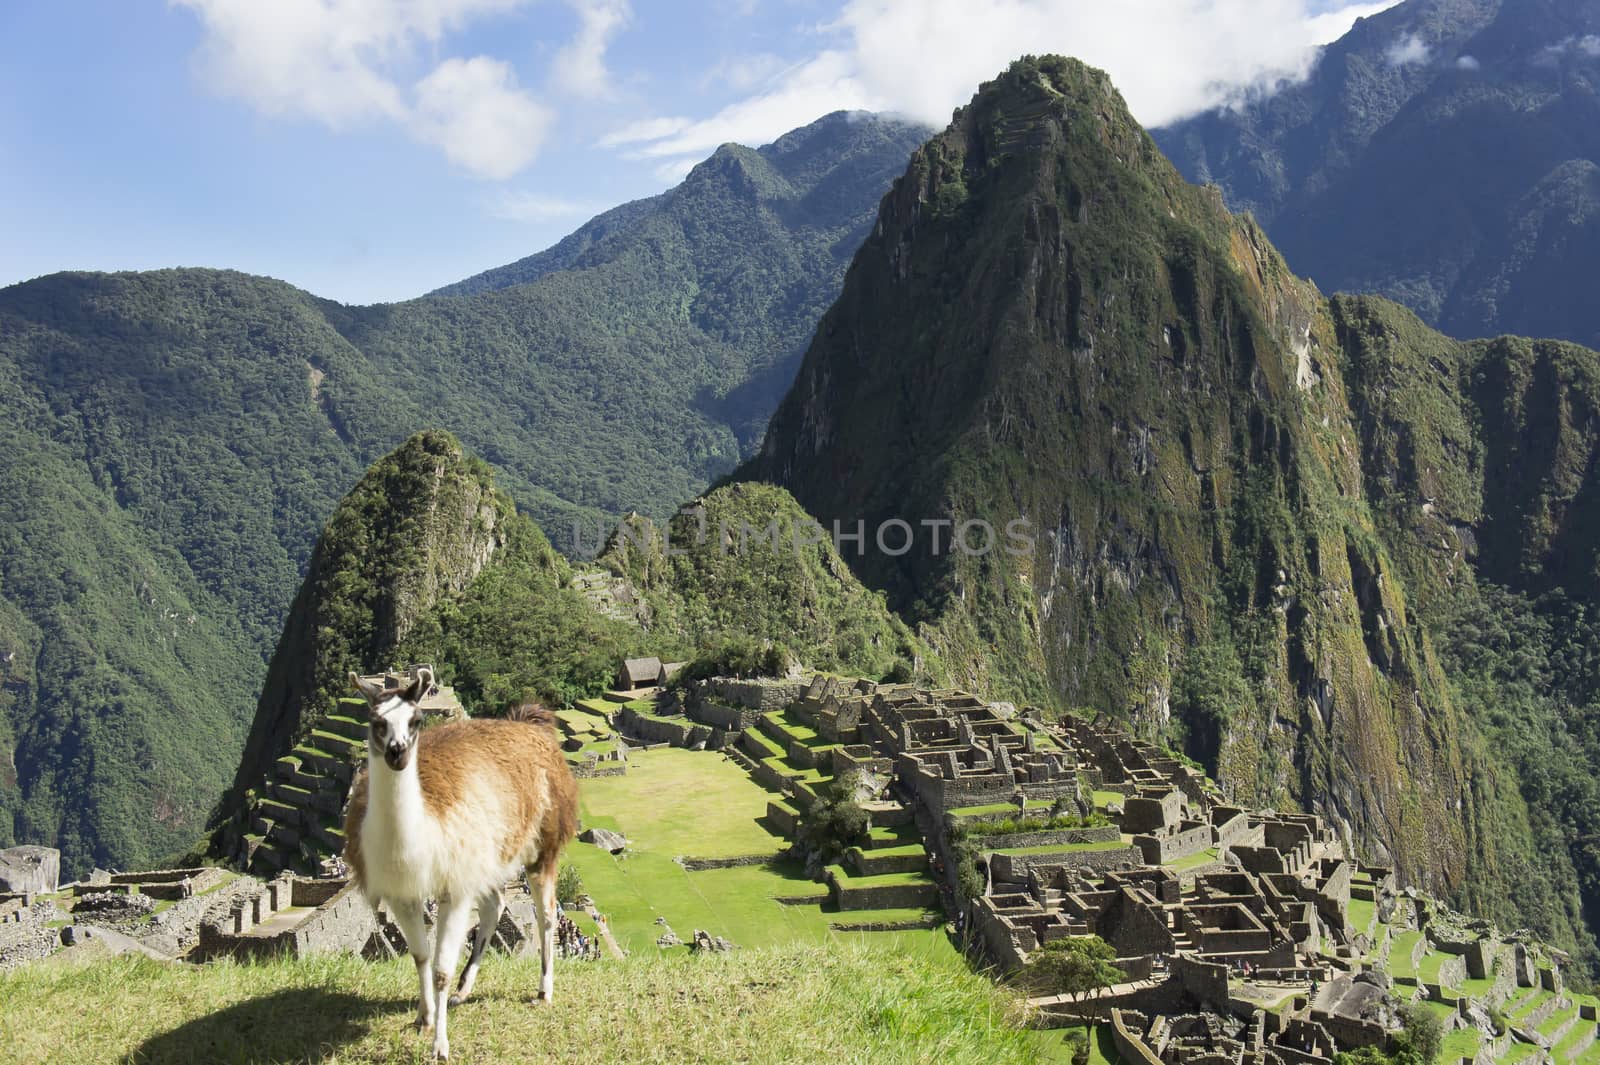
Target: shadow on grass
point(293, 1025)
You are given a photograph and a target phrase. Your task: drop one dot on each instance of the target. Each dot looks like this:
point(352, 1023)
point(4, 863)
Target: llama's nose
point(396, 749)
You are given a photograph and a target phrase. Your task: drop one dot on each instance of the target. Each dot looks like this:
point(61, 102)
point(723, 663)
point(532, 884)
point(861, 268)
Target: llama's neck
point(394, 798)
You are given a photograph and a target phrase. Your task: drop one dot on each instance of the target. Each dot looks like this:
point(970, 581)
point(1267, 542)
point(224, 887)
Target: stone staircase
point(295, 820)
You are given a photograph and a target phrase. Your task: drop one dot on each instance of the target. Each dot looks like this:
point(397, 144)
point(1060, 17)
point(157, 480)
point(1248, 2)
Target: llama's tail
point(532, 712)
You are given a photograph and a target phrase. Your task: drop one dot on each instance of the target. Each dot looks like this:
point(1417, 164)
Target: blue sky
point(371, 150)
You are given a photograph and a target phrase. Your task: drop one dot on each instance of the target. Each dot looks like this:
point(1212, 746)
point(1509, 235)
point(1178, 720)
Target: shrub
point(569, 885)
point(833, 824)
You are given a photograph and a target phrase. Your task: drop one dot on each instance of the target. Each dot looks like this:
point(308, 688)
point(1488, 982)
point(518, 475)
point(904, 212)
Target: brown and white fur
point(454, 813)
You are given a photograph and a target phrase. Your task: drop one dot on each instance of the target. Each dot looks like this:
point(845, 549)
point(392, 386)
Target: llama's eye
point(378, 728)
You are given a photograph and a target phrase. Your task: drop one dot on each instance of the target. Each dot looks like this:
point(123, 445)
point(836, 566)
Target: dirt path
point(605, 934)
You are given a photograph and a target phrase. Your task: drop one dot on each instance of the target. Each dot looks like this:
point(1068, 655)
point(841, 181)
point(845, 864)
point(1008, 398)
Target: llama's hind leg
point(489, 907)
point(455, 917)
point(408, 915)
point(542, 886)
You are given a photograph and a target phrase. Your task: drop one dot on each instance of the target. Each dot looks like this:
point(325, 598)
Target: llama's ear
point(421, 685)
point(369, 690)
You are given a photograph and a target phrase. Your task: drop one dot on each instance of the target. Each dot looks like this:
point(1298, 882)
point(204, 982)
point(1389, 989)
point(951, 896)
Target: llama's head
point(394, 715)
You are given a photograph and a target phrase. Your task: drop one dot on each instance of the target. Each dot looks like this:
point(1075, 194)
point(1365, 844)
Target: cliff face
point(1049, 326)
point(418, 528)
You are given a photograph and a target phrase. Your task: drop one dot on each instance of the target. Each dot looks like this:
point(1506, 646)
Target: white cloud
point(474, 111)
point(1586, 46)
point(800, 94)
point(1408, 50)
point(347, 62)
point(1468, 62)
point(674, 170)
point(580, 67)
point(924, 58)
point(536, 208)
point(328, 60)
point(645, 129)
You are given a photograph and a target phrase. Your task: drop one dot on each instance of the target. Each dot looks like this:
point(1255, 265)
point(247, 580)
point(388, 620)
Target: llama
point(454, 812)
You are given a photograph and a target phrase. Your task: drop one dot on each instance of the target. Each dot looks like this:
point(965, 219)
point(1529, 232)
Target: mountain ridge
point(1048, 324)
point(1443, 153)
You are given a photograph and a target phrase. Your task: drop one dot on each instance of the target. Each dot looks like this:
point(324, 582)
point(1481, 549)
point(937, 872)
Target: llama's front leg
point(455, 917)
point(408, 915)
point(489, 907)
point(542, 886)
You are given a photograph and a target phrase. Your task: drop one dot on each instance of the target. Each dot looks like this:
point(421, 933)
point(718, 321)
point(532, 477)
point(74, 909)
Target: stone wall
point(679, 732)
point(1014, 867)
point(1238, 830)
point(1130, 1046)
point(761, 696)
point(30, 870)
point(883, 897)
point(1141, 814)
point(941, 795)
point(1206, 981)
point(1164, 850)
point(1134, 928)
point(341, 924)
point(1049, 837)
point(721, 715)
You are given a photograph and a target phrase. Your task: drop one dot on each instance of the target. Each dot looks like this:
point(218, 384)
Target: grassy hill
point(845, 1002)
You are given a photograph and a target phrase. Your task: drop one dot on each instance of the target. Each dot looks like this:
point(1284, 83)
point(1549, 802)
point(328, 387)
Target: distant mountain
point(176, 440)
point(1123, 460)
point(1444, 153)
point(747, 253)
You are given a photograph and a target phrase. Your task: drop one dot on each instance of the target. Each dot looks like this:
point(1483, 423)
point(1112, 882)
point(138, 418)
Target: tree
point(1422, 1037)
point(833, 824)
point(1070, 967)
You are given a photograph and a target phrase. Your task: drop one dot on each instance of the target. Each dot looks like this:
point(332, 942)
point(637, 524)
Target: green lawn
point(674, 803)
point(1361, 914)
point(793, 726)
point(846, 879)
point(1524, 1011)
point(1195, 860)
point(1055, 1046)
point(1102, 798)
point(1570, 1041)
point(1519, 1052)
point(1428, 968)
point(886, 998)
point(1400, 966)
point(900, 834)
point(1461, 1043)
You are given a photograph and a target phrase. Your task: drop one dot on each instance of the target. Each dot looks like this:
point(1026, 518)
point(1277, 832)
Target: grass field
point(675, 803)
point(847, 1002)
point(1195, 860)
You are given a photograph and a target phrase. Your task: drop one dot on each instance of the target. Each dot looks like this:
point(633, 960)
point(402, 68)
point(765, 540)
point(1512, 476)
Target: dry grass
point(843, 1002)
